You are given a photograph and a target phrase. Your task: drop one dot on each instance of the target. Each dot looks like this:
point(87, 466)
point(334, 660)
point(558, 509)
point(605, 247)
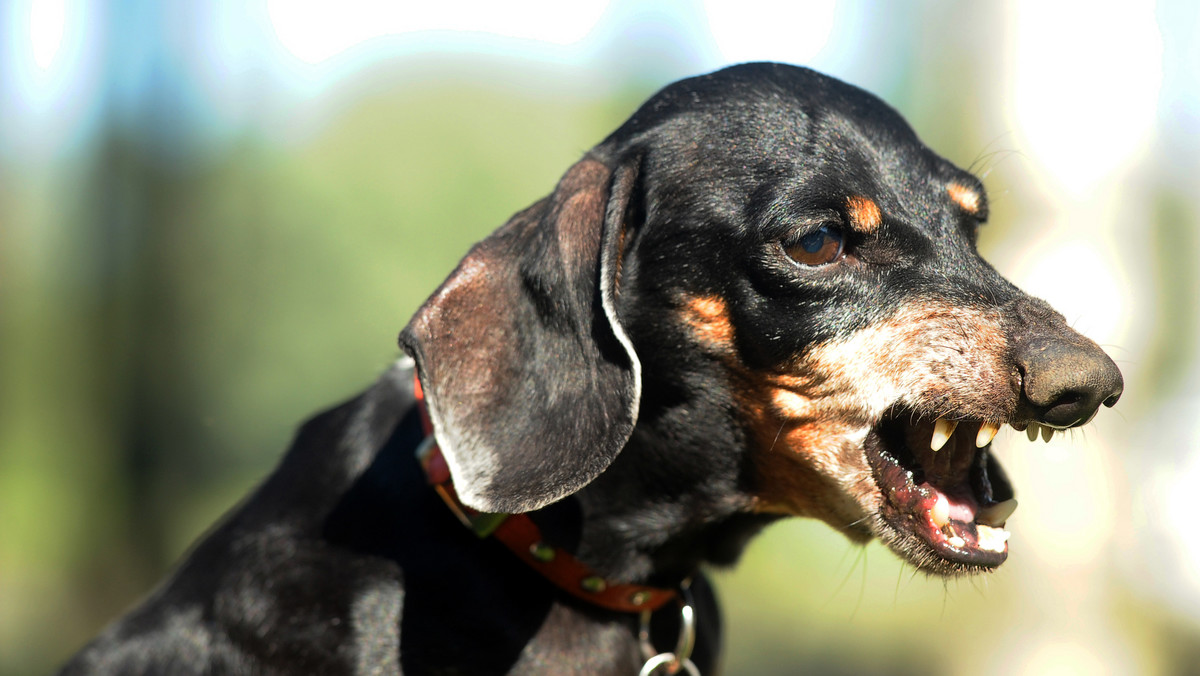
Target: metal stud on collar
point(594, 584)
point(681, 658)
point(542, 552)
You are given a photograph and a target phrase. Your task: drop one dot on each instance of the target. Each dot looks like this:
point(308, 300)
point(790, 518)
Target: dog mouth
point(945, 496)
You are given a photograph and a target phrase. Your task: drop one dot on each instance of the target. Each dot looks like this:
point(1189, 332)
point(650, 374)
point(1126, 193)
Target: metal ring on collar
point(681, 656)
point(672, 663)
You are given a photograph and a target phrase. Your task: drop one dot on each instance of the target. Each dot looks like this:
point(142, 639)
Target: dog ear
point(531, 382)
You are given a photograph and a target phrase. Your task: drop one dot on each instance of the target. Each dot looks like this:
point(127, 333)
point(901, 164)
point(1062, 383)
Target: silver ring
point(683, 646)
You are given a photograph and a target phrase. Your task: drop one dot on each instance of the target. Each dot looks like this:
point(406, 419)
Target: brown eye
point(819, 247)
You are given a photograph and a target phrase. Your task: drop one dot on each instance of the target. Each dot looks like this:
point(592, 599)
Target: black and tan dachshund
point(760, 297)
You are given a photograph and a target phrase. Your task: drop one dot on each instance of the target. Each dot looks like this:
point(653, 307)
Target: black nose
point(1065, 378)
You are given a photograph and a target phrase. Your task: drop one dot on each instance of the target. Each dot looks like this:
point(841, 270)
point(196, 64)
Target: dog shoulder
point(268, 569)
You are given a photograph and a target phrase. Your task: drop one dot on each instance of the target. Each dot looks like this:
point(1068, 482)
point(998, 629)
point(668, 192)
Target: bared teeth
point(996, 514)
point(940, 512)
point(956, 541)
point(987, 432)
point(1034, 429)
point(991, 539)
point(942, 429)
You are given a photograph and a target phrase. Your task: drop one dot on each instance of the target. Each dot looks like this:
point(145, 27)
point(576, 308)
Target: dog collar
point(523, 537)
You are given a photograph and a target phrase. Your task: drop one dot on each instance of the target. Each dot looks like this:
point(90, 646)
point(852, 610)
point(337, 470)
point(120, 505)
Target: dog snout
point(1065, 378)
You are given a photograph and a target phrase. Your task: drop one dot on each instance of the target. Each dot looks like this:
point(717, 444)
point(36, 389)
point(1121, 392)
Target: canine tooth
point(942, 429)
point(987, 432)
point(995, 515)
point(940, 512)
point(1047, 433)
point(991, 539)
point(956, 541)
point(1032, 431)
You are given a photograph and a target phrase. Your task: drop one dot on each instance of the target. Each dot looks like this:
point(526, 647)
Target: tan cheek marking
point(792, 405)
point(864, 214)
point(806, 462)
point(964, 197)
point(813, 469)
point(708, 317)
point(809, 424)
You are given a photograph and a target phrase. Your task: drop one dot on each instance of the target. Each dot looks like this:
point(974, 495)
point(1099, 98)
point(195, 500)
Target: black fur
point(566, 378)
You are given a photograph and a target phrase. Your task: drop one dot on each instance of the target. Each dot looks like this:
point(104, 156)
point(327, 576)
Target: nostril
point(1070, 409)
point(1068, 399)
point(1112, 401)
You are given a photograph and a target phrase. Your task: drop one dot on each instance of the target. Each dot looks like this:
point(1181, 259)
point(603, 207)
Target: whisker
point(854, 523)
point(945, 596)
point(899, 578)
point(862, 587)
point(837, 590)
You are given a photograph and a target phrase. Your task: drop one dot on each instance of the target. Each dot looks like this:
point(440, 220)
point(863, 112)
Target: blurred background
point(216, 216)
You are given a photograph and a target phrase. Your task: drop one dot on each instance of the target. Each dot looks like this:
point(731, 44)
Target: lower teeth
point(991, 539)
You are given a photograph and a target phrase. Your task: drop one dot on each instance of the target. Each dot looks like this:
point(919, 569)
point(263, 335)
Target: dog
point(760, 297)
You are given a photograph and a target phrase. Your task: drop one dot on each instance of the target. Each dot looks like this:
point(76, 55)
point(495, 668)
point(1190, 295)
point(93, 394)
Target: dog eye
point(819, 247)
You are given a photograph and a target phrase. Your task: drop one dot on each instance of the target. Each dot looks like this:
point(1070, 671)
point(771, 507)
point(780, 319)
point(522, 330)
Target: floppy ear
point(531, 382)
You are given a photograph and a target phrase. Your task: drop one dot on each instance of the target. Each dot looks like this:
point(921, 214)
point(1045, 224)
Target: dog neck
point(522, 535)
point(673, 500)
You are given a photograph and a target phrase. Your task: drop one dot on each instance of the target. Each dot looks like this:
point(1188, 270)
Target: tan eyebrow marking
point(864, 213)
point(709, 318)
point(964, 197)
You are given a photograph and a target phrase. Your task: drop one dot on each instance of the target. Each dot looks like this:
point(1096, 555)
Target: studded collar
point(523, 537)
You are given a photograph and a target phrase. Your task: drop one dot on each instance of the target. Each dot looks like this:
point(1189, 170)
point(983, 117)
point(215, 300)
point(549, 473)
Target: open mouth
point(944, 492)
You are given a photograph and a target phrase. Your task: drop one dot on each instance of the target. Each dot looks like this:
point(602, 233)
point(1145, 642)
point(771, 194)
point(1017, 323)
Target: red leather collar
point(522, 536)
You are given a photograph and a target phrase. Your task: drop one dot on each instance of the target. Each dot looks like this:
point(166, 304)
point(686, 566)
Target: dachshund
point(760, 297)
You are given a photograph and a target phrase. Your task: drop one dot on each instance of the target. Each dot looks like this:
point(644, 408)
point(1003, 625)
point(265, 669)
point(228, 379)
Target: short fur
point(638, 362)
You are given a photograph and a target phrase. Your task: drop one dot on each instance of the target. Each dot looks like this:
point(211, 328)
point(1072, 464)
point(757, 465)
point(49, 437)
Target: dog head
point(790, 276)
